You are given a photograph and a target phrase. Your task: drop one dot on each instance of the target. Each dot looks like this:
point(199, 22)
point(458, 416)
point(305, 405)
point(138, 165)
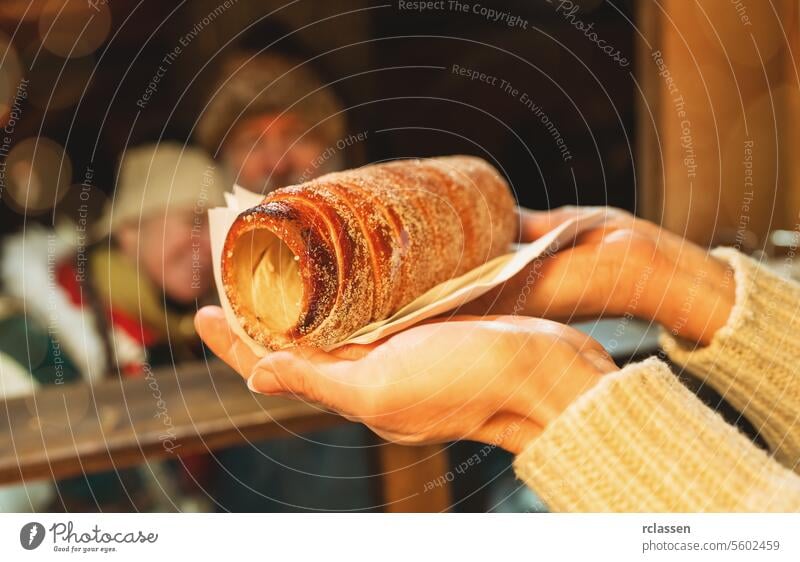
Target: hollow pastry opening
point(267, 280)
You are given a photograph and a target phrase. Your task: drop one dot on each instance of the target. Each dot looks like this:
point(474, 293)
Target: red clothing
point(197, 466)
point(67, 278)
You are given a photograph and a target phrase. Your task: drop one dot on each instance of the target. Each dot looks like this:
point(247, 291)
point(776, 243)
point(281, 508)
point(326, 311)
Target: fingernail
point(600, 360)
point(211, 312)
point(251, 385)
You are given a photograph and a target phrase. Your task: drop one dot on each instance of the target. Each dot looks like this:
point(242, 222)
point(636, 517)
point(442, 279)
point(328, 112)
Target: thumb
point(307, 373)
point(212, 327)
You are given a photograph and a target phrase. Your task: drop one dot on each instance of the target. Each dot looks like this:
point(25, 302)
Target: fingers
point(602, 360)
point(591, 350)
point(355, 351)
point(213, 329)
point(535, 224)
point(506, 430)
point(585, 345)
point(311, 374)
point(572, 283)
point(579, 340)
point(289, 371)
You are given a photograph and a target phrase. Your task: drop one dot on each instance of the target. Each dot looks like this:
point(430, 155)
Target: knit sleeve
point(640, 441)
point(753, 360)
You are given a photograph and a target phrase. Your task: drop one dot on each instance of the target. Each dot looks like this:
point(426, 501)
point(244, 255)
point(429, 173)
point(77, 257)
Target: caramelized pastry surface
point(317, 261)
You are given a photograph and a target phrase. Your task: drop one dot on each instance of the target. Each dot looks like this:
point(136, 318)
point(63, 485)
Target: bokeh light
point(78, 214)
point(58, 83)
point(38, 174)
point(74, 28)
point(10, 75)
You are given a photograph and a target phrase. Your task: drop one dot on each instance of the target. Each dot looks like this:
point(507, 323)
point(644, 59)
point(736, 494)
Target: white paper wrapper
point(445, 296)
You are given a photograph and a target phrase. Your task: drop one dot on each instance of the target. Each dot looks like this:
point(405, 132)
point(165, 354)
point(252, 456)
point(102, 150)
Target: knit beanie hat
point(252, 84)
point(155, 177)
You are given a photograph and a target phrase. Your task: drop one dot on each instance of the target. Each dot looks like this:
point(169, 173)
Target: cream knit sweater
point(641, 441)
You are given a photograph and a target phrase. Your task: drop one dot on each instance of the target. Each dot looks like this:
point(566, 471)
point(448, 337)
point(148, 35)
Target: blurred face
point(174, 252)
point(266, 152)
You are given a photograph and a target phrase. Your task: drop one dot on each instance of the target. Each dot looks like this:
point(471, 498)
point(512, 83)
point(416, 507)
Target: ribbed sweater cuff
point(641, 441)
point(752, 360)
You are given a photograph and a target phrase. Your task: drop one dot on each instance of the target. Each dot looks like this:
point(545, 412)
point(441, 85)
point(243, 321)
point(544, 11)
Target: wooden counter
point(66, 430)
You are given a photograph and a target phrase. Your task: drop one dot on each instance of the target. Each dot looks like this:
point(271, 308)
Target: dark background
point(372, 52)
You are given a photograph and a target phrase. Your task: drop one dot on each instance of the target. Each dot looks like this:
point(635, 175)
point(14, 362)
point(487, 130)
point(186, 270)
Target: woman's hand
point(496, 380)
point(626, 266)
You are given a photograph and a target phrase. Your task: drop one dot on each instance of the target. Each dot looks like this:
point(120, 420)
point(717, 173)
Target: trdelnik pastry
point(317, 261)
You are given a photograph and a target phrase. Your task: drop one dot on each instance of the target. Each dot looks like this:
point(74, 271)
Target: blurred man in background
point(272, 123)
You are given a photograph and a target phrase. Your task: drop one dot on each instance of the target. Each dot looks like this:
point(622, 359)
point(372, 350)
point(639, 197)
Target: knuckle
point(632, 243)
